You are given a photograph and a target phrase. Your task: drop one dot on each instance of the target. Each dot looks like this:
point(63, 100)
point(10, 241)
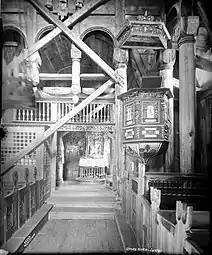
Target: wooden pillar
point(141, 183)
point(53, 160)
point(120, 60)
point(1, 178)
point(166, 71)
point(2, 212)
point(60, 160)
point(187, 97)
point(30, 22)
point(75, 56)
point(155, 197)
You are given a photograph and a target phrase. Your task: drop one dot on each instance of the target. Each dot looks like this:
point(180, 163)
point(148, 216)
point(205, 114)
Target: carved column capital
point(75, 52)
point(120, 57)
point(167, 58)
point(186, 39)
point(186, 26)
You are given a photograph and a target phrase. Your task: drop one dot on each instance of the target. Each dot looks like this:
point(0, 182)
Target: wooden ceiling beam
point(70, 22)
point(68, 77)
point(44, 136)
point(79, 43)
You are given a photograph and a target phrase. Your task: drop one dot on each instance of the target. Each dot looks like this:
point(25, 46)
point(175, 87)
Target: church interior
point(106, 125)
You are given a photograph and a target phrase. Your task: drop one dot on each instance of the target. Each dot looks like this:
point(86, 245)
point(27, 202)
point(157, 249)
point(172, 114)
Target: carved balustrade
point(53, 111)
point(92, 173)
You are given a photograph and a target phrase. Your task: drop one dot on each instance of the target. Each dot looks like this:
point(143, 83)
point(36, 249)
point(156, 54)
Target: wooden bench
point(23, 236)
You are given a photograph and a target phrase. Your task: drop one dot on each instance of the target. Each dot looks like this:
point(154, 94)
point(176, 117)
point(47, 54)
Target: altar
point(94, 164)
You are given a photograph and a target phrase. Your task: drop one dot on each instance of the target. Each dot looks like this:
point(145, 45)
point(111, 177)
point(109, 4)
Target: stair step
point(80, 199)
point(81, 194)
point(81, 209)
point(82, 188)
point(70, 216)
point(81, 213)
point(87, 205)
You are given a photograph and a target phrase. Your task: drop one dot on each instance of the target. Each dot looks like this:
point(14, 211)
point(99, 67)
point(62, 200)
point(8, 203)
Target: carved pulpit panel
point(146, 121)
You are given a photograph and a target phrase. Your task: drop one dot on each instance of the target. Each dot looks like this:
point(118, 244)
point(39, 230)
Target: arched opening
point(56, 58)
point(102, 44)
point(13, 43)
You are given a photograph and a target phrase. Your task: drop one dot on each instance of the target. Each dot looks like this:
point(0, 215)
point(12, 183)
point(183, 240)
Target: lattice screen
point(14, 143)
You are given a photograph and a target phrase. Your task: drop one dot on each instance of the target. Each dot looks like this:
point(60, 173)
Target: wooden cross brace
point(79, 43)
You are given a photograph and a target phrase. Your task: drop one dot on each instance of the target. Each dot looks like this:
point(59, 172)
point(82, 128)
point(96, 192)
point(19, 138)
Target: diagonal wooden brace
point(41, 139)
point(70, 22)
point(79, 43)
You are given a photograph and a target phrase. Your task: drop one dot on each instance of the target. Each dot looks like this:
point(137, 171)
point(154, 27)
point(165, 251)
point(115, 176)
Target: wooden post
point(28, 202)
point(53, 161)
point(8, 116)
point(166, 71)
point(60, 160)
point(30, 21)
point(183, 219)
point(141, 175)
point(75, 56)
point(120, 59)
point(155, 197)
point(2, 212)
point(187, 103)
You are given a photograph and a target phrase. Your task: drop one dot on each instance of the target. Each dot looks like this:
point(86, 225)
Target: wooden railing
point(53, 111)
point(162, 210)
point(21, 204)
point(92, 173)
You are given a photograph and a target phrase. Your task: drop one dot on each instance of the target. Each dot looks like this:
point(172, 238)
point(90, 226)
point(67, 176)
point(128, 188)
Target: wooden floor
point(77, 235)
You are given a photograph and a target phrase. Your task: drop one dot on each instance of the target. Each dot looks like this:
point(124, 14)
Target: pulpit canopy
point(146, 33)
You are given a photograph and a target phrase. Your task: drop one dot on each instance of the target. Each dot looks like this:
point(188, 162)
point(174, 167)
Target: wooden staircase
point(81, 200)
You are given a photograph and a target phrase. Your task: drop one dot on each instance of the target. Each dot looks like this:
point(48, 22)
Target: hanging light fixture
point(79, 4)
point(49, 5)
point(63, 10)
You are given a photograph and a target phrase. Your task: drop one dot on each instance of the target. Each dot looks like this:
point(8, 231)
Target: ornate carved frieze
point(167, 58)
point(145, 94)
point(145, 32)
point(93, 128)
